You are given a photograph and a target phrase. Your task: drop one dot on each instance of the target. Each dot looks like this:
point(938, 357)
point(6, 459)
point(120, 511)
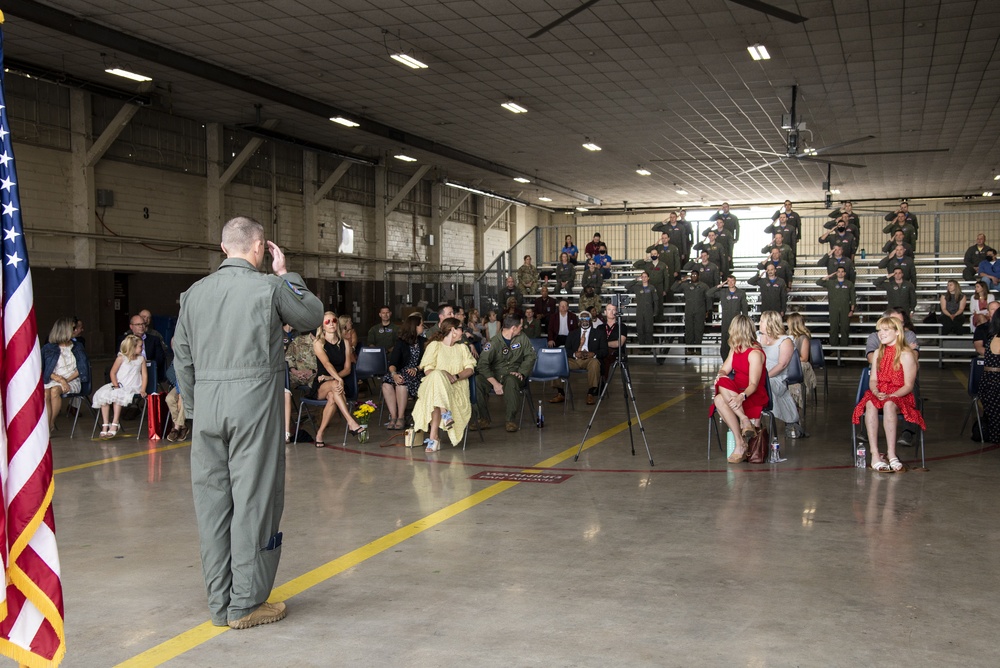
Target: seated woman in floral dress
point(890, 389)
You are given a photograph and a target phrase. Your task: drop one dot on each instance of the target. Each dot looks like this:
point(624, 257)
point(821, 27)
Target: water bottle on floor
point(540, 418)
point(775, 455)
point(730, 443)
point(861, 457)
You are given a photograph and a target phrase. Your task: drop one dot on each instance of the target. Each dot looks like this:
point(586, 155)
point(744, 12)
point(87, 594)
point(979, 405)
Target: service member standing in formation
point(670, 257)
point(647, 300)
point(677, 233)
point(724, 238)
point(232, 388)
point(708, 270)
point(787, 232)
point(384, 333)
point(730, 220)
point(840, 236)
point(899, 292)
point(898, 259)
point(782, 269)
point(696, 307)
point(835, 258)
point(901, 224)
point(659, 277)
point(847, 209)
point(716, 255)
point(589, 300)
point(791, 218)
point(897, 240)
point(506, 361)
point(734, 303)
point(842, 300)
point(907, 217)
point(773, 290)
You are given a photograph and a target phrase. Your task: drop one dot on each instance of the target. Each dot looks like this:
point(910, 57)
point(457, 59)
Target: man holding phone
point(233, 390)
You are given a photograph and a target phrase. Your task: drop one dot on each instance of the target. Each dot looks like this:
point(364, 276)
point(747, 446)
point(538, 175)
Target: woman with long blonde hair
point(333, 365)
point(741, 398)
point(778, 351)
point(802, 338)
point(890, 390)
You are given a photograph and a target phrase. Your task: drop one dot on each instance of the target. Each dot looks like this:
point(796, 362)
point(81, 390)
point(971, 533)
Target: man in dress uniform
point(773, 290)
point(384, 333)
point(504, 365)
point(842, 300)
point(696, 306)
point(734, 303)
point(232, 388)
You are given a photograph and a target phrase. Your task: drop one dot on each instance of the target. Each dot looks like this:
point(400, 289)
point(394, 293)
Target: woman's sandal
point(432, 445)
point(320, 444)
point(737, 458)
point(360, 430)
point(879, 463)
point(104, 430)
point(896, 465)
point(114, 431)
point(749, 432)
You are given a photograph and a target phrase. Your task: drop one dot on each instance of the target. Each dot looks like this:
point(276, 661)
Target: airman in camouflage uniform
point(504, 366)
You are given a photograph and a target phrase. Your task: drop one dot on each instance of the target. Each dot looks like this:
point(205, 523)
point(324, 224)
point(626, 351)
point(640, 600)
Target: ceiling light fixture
point(404, 158)
point(119, 72)
point(997, 177)
point(544, 199)
point(521, 179)
point(514, 107)
point(484, 193)
point(758, 52)
point(591, 146)
point(988, 193)
point(681, 191)
point(643, 172)
point(346, 122)
point(409, 61)
point(582, 208)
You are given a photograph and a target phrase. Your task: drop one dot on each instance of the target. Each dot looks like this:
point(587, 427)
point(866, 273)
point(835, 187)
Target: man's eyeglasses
point(138, 324)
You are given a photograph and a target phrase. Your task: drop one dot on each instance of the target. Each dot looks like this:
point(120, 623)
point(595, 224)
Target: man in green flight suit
point(734, 303)
point(696, 306)
point(842, 299)
point(505, 364)
point(384, 333)
point(230, 368)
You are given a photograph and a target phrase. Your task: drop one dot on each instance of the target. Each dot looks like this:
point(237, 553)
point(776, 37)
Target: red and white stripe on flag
point(31, 628)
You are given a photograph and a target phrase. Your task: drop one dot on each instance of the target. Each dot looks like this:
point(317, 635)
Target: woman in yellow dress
point(443, 399)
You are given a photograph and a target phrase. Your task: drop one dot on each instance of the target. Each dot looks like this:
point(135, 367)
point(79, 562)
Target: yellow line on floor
point(963, 377)
point(188, 640)
point(131, 455)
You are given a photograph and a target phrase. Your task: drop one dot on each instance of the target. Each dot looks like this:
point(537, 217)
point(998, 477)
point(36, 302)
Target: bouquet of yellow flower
point(363, 413)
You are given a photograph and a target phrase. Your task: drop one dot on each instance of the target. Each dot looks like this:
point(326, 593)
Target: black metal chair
point(372, 364)
point(976, 366)
point(862, 386)
point(82, 398)
point(818, 361)
point(350, 392)
point(475, 413)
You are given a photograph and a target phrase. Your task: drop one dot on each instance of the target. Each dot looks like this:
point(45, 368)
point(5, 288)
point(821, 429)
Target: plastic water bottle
point(730, 443)
point(775, 455)
point(863, 253)
point(861, 457)
point(540, 420)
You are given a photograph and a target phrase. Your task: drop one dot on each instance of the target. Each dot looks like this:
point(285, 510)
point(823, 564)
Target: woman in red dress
point(742, 398)
point(890, 389)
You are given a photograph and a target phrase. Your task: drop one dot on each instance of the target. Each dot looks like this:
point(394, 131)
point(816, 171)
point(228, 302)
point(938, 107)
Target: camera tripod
point(620, 363)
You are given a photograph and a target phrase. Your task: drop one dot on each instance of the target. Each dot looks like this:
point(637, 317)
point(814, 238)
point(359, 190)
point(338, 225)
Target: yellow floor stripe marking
point(188, 640)
point(963, 377)
point(131, 455)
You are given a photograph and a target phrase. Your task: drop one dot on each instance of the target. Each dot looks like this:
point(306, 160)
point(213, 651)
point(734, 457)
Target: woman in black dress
point(333, 364)
point(403, 379)
point(989, 386)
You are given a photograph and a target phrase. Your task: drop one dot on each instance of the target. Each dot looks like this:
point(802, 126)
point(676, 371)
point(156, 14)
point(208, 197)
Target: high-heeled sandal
point(114, 430)
point(432, 445)
point(360, 430)
point(737, 458)
point(104, 429)
point(749, 432)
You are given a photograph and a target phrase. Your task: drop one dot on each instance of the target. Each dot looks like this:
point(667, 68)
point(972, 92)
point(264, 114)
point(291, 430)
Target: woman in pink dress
point(742, 398)
point(890, 389)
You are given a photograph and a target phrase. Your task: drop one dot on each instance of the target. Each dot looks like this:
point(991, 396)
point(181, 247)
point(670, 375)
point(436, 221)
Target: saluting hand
point(277, 259)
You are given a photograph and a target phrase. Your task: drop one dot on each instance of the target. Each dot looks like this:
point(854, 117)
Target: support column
point(480, 203)
point(381, 216)
point(82, 180)
point(310, 212)
point(215, 195)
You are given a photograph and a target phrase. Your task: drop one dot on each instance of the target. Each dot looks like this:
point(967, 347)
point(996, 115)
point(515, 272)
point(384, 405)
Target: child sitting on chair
point(128, 378)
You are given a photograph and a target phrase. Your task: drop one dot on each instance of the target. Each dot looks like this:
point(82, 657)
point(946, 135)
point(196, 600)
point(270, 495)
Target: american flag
point(31, 630)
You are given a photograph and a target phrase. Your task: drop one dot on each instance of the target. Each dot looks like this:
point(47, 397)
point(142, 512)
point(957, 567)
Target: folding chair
point(818, 361)
point(351, 394)
point(862, 386)
point(795, 376)
point(82, 398)
point(539, 344)
point(152, 385)
point(372, 364)
point(976, 366)
point(551, 364)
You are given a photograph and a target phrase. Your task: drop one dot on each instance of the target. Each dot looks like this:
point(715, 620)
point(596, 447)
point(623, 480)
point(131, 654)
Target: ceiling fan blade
point(746, 150)
point(754, 169)
point(771, 10)
point(806, 158)
point(844, 143)
point(565, 17)
point(912, 150)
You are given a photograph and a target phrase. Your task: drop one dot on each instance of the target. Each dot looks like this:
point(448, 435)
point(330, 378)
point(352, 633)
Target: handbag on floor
point(757, 447)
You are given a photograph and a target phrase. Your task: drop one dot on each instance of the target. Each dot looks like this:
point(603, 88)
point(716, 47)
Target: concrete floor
point(397, 558)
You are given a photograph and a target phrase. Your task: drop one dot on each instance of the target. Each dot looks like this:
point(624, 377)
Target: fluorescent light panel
point(346, 122)
point(582, 208)
point(544, 199)
point(591, 146)
point(409, 61)
point(514, 107)
point(521, 179)
point(758, 52)
point(997, 177)
point(643, 172)
point(681, 192)
point(485, 193)
point(988, 193)
point(404, 158)
point(117, 71)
